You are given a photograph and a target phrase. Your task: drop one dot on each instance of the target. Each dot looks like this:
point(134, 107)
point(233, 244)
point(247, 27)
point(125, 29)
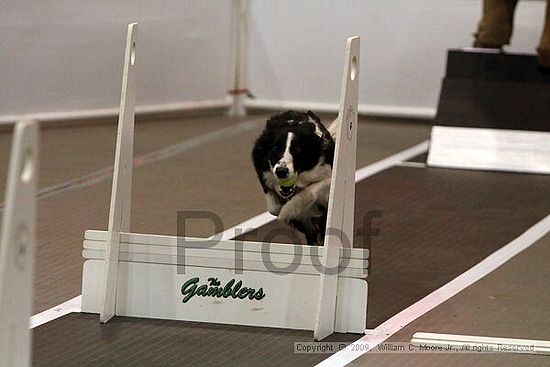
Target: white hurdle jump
point(230, 281)
point(17, 248)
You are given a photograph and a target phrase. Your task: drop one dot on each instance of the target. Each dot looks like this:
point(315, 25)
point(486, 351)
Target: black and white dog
point(293, 159)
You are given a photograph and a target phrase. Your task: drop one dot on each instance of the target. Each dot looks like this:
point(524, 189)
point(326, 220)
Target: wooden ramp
point(493, 114)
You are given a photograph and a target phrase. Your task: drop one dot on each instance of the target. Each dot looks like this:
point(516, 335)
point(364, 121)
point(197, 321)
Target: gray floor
point(421, 247)
point(218, 176)
point(511, 302)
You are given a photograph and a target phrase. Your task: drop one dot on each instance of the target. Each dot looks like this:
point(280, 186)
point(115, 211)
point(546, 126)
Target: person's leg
point(496, 25)
point(544, 47)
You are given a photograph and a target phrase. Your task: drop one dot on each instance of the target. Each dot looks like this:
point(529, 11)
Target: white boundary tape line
point(391, 161)
point(73, 305)
point(155, 156)
point(413, 164)
point(247, 226)
point(112, 112)
point(437, 297)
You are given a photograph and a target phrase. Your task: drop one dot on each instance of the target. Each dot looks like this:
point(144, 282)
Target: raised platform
point(493, 114)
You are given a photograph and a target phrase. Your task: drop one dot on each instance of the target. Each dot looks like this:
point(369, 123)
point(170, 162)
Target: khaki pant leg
point(497, 23)
point(544, 47)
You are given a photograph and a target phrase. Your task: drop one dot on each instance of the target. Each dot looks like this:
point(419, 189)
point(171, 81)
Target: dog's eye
point(296, 150)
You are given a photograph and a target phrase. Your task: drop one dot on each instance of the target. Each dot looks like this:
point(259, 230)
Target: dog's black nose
point(281, 172)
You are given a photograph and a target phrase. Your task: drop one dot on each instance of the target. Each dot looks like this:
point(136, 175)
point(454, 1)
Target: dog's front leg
point(298, 208)
point(306, 203)
point(273, 204)
point(305, 208)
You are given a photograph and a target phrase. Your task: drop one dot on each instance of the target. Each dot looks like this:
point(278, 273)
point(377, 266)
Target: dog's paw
point(300, 206)
point(273, 205)
point(275, 211)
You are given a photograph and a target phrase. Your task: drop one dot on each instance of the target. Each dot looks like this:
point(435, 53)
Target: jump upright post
point(17, 248)
point(121, 194)
point(342, 192)
point(232, 281)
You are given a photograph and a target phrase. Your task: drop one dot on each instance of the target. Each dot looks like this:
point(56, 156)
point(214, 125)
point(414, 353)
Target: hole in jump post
point(133, 53)
point(353, 72)
point(27, 170)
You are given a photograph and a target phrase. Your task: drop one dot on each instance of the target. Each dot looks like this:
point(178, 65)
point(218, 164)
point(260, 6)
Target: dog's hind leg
point(322, 227)
point(306, 211)
point(308, 229)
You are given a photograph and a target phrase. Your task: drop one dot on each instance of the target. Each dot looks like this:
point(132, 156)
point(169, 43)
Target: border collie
point(293, 159)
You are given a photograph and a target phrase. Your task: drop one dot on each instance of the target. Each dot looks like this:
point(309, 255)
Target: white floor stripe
point(437, 297)
point(391, 161)
point(73, 305)
point(247, 225)
point(412, 164)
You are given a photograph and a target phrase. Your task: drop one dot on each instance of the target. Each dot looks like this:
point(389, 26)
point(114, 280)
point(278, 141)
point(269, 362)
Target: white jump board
point(151, 281)
point(490, 149)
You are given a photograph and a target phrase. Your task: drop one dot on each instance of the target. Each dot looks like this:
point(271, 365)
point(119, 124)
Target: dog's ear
point(275, 121)
point(310, 126)
point(313, 116)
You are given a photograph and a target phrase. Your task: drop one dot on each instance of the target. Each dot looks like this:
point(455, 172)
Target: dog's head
point(297, 144)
